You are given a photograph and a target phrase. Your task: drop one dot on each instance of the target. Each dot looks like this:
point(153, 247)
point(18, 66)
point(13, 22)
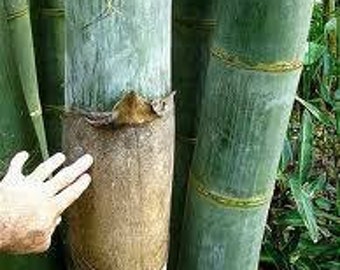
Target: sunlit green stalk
point(17, 14)
point(16, 133)
point(50, 55)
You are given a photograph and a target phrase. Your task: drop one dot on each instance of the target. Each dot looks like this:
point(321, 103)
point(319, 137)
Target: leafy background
point(303, 229)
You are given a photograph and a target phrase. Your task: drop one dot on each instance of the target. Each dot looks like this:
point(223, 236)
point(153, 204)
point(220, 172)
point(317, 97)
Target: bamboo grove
point(110, 78)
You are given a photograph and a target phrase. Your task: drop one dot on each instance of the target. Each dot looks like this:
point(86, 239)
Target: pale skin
point(31, 205)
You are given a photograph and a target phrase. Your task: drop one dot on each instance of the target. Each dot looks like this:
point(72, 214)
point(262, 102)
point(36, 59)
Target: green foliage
point(303, 230)
point(305, 157)
point(314, 53)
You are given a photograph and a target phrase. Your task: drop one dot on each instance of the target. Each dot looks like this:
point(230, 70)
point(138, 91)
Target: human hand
point(31, 208)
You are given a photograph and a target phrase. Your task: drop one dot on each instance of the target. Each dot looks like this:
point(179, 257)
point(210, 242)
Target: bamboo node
point(229, 201)
point(36, 113)
point(236, 61)
point(186, 139)
point(18, 13)
point(109, 10)
point(53, 12)
point(199, 24)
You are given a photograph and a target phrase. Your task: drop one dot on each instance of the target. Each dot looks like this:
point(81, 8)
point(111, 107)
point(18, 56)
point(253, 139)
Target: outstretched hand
point(31, 207)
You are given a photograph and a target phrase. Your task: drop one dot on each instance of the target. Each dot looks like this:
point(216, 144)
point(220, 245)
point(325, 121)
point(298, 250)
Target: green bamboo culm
point(18, 17)
point(16, 133)
point(49, 37)
point(193, 23)
point(118, 59)
point(252, 77)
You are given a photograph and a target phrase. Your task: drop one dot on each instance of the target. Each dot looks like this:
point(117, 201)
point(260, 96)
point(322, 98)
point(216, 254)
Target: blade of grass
point(316, 185)
point(305, 157)
point(278, 257)
point(313, 54)
point(286, 155)
point(305, 208)
point(321, 116)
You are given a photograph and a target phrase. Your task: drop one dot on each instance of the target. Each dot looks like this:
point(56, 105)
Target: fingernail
point(87, 159)
point(86, 178)
point(58, 221)
point(24, 153)
point(60, 156)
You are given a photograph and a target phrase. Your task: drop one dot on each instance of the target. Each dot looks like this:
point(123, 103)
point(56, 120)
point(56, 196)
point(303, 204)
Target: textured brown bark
point(121, 221)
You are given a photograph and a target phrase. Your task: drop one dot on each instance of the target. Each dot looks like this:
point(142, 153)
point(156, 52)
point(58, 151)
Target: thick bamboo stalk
point(17, 13)
point(16, 133)
point(118, 55)
point(193, 24)
point(251, 81)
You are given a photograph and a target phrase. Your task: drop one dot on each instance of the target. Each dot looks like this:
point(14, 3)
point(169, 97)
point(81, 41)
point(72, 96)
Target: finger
point(46, 168)
point(58, 221)
point(64, 199)
point(17, 163)
point(43, 247)
point(68, 175)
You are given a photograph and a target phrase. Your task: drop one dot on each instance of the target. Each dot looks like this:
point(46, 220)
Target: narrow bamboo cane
point(48, 23)
point(118, 55)
point(16, 133)
point(251, 82)
point(17, 13)
point(193, 24)
point(50, 51)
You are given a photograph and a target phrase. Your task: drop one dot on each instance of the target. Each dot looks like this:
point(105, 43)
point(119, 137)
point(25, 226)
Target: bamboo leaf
point(313, 54)
point(305, 208)
point(278, 257)
point(291, 218)
point(330, 26)
point(306, 137)
point(337, 110)
point(325, 92)
point(321, 116)
point(316, 185)
point(286, 155)
point(307, 263)
point(293, 242)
